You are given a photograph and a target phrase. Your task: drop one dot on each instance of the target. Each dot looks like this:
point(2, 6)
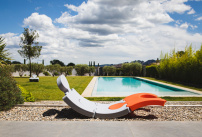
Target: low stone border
point(49, 105)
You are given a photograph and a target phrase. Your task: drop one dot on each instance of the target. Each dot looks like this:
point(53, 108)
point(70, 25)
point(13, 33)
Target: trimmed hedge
point(10, 93)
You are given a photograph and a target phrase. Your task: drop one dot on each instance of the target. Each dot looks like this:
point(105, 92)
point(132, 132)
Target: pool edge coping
point(89, 89)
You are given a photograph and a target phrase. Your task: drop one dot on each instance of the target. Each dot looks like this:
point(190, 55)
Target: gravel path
point(149, 113)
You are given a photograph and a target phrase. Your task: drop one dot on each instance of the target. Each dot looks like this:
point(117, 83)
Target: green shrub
point(28, 97)
point(184, 66)
point(46, 73)
point(10, 93)
point(56, 74)
point(152, 71)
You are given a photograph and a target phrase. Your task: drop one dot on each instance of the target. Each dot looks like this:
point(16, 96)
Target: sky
point(104, 31)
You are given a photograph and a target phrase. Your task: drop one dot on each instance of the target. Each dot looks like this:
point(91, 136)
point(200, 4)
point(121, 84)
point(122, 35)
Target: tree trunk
point(30, 68)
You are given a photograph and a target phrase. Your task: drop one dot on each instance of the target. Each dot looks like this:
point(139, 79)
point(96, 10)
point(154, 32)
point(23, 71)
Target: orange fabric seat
point(139, 100)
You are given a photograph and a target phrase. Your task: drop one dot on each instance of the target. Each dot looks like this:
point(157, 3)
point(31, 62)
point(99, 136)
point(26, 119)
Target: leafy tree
point(136, 69)
point(55, 61)
point(71, 64)
point(81, 69)
point(4, 54)
point(37, 68)
point(109, 70)
point(66, 70)
point(132, 69)
point(53, 69)
point(30, 48)
point(21, 68)
point(91, 70)
point(126, 69)
point(118, 71)
point(16, 62)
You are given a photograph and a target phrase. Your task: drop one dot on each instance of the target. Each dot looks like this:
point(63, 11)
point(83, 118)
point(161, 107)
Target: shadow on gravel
point(135, 116)
point(69, 113)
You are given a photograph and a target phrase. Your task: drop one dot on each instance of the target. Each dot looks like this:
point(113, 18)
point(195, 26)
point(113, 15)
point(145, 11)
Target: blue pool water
point(124, 86)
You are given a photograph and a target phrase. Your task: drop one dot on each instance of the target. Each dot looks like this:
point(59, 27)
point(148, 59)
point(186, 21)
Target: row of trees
point(56, 69)
point(56, 61)
point(39, 68)
point(183, 66)
point(127, 69)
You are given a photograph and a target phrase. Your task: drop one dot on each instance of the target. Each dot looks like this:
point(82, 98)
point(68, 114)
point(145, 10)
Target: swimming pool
point(124, 86)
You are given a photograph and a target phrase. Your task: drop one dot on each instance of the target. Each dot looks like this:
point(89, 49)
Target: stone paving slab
point(101, 129)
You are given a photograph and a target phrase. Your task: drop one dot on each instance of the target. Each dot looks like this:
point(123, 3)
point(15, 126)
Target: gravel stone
point(148, 113)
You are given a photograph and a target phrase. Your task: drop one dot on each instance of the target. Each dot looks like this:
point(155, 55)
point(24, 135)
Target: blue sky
point(105, 31)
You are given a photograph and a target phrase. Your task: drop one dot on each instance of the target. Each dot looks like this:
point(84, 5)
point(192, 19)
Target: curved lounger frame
point(113, 110)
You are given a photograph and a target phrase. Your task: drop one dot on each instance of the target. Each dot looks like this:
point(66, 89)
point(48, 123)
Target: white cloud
point(36, 21)
point(184, 25)
point(110, 31)
point(178, 6)
point(199, 18)
point(108, 16)
point(193, 26)
point(192, 11)
point(12, 40)
point(187, 25)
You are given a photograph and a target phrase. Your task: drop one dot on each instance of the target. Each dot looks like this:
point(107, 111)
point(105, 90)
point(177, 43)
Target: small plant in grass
point(28, 97)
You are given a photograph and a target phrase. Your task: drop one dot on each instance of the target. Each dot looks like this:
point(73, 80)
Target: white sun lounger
point(113, 110)
point(86, 107)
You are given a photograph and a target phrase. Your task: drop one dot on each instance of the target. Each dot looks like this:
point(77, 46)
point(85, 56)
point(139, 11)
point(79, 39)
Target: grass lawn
point(47, 89)
point(197, 87)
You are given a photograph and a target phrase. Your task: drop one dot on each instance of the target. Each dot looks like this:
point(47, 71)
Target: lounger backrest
point(63, 84)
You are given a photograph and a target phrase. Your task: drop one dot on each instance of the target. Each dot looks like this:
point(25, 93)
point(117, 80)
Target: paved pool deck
point(89, 89)
point(100, 129)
